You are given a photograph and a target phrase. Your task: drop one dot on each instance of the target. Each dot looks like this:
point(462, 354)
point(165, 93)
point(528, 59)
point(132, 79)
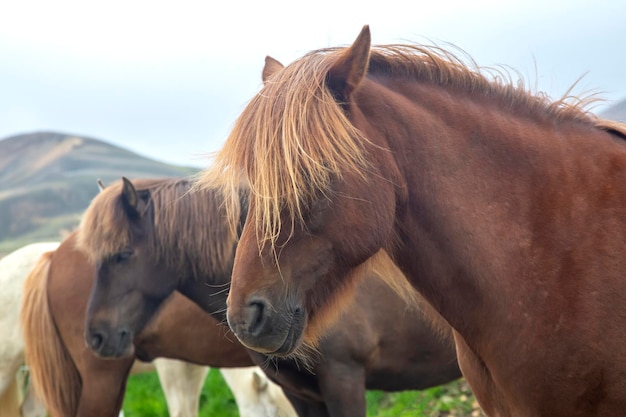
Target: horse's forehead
point(103, 243)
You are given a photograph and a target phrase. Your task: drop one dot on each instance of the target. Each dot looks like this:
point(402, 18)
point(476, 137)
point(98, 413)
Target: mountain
point(616, 112)
point(47, 179)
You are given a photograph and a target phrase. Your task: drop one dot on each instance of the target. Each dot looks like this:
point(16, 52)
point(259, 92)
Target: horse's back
point(14, 268)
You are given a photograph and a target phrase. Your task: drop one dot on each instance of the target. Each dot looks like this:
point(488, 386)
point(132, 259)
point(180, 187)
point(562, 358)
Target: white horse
point(255, 395)
point(182, 382)
point(13, 271)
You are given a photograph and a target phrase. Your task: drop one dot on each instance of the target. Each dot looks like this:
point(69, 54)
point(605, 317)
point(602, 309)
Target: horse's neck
point(209, 295)
point(475, 178)
point(14, 268)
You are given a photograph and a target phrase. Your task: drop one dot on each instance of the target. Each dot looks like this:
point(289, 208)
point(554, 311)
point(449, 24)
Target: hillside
point(616, 112)
point(47, 179)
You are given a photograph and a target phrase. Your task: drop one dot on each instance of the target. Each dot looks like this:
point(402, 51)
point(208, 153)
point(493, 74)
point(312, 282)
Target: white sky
point(168, 79)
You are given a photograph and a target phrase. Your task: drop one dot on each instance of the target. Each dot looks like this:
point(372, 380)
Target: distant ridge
point(616, 112)
point(47, 179)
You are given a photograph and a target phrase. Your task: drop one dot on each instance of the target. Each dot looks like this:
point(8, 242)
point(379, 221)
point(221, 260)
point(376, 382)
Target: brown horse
point(505, 210)
point(379, 342)
point(69, 378)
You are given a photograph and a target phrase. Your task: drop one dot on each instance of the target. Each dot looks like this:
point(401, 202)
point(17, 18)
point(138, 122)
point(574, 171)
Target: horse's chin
point(143, 355)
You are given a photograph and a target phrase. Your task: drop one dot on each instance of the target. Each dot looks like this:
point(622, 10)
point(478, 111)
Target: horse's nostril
point(124, 337)
point(96, 340)
point(123, 334)
point(256, 317)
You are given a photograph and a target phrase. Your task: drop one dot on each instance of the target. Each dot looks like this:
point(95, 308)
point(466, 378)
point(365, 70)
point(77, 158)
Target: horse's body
point(13, 270)
point(71, 381)
point(367, 348)
point(505, 211)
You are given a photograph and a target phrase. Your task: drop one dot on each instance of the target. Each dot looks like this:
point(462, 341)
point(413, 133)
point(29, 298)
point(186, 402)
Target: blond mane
point(293, 136)
point(268, 148)
point(53, 374)
point(190, 230)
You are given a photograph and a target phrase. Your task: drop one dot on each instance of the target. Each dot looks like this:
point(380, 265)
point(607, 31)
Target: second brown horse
point(151, 237)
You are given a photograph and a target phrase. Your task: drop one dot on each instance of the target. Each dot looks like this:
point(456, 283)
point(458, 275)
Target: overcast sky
point(168, 79)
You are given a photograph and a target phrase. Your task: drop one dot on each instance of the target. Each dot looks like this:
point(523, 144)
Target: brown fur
point(184, 228)
point(96, 386)
point(384, 269)
point(387, 271)
point(505, 210)
point(201, 340)
point(286, 172)
point(51, 368)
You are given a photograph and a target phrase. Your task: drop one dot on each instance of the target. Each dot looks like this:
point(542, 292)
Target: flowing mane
point(267, 149)
point(190, 230)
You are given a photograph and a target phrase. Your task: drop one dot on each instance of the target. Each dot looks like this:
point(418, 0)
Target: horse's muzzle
point(269, 330)
point(110, 343)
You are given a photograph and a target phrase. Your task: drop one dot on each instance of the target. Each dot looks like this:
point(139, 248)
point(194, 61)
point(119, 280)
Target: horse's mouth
point(294, 335)
point(116, 353)
point(290, 344)
point(288, 338)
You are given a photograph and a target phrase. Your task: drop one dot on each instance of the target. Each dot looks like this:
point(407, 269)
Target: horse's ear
point(134, 202)
point(347, 73)
point(271, 67)
point(101, 186)
point(259, 382)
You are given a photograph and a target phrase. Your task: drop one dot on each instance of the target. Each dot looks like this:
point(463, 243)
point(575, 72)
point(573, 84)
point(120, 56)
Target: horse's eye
point(122, 256)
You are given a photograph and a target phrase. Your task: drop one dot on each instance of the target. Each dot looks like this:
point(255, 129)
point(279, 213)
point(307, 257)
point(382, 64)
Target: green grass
point(453, 399)
point(144, 398)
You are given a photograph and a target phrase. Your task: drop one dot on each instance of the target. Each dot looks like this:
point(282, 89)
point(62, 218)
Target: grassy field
point(144, 399)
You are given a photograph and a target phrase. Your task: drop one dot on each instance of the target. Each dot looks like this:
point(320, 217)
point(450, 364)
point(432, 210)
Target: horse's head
point(320, 205)
point(130, 281)
point(255, 394)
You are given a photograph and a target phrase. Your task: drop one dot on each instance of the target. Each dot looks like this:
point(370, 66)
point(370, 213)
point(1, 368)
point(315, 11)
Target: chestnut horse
point(181, 381)
point(72, 381)
point(148, 238)
point(504, 209)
